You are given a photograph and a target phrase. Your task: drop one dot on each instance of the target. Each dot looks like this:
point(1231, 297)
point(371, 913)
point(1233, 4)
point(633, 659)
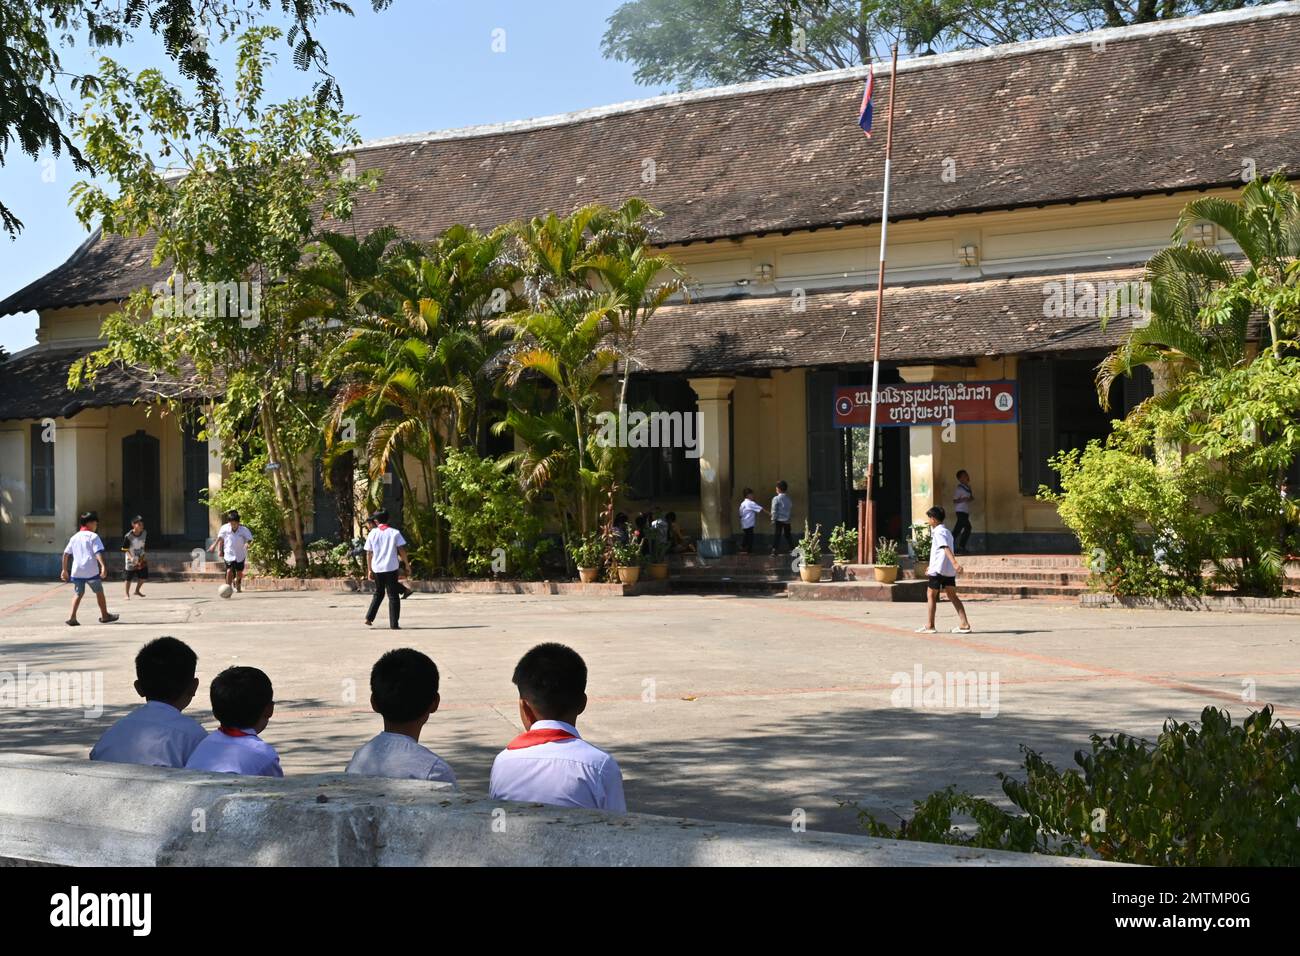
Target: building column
point(713, 397)
point(1168, 454)
point(923, 445)
point(215, 473)
point(81, 478)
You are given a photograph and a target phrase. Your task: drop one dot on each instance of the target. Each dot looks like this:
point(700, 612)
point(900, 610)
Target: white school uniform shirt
point(568, 773)
point(83, 546)
point(155, 735)
point(782, 506)
point(400, 757)
point(382, 543)
point(749, 513)
point(962, 499)
point(234, 543)
point(941, 560)
point(249, 755)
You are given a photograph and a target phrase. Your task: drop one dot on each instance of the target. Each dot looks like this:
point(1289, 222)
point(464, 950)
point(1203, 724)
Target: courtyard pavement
point(727, 708)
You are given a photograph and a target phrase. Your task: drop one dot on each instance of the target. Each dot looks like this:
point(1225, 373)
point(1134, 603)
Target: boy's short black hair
point(232, 515)
point(781, 486)
point(962, 471)
point(240, 695)
point(937, 513)
point(747, 492)
point(165, 669)
point(381, 516)
point(403, 684)
point(138, 519)
point(87, 517)
point(553, 679)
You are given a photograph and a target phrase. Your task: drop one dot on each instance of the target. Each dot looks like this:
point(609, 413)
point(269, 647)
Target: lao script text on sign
point(928, 403)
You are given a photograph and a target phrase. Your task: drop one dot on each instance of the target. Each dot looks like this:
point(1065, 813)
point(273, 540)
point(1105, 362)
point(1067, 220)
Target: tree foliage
point(37, 34)
point(692, 43)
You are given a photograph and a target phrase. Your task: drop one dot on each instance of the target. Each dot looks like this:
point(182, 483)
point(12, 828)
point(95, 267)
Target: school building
point(1027, 180)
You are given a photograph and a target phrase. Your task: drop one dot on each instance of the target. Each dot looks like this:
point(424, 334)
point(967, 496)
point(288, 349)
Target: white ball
point(225, 590)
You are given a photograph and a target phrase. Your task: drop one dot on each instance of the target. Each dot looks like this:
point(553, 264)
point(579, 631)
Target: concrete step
point(1031, 562)
point(1076, 578)
point(1021, 590)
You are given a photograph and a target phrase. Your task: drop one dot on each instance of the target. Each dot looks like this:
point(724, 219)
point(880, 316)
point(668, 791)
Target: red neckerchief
point(235, 732)
point(544, 735)
point(383, 527)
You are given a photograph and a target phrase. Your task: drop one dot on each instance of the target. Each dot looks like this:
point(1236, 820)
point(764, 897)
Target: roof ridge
point(1285, 8)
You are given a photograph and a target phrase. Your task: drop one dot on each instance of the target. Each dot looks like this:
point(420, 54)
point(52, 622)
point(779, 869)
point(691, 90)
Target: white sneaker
point(926, 630)
point(961, 630)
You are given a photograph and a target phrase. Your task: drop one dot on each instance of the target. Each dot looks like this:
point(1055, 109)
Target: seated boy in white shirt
point(243, 703)
point(550, 763)
point(404, 691)
point(157, 734)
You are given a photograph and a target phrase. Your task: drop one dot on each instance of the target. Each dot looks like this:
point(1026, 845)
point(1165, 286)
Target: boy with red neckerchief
point(243, 703)
point(549, 762)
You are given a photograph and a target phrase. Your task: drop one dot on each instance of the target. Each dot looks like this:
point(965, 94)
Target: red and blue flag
point(864, 112)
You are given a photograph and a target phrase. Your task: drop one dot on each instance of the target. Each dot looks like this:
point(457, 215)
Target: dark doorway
point(837, 459)
point(141, 482)
point(393, 496)
point(194, 456)
point(329, 502)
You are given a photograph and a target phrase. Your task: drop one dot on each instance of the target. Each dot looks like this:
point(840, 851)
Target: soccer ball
point(225, 590)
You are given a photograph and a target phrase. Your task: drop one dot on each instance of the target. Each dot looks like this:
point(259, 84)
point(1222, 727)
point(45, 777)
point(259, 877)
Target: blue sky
point(420, 65)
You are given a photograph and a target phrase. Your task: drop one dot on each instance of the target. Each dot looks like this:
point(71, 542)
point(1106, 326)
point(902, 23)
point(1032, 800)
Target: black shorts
point(937, 582)
point(138, 574)
point(234, 565)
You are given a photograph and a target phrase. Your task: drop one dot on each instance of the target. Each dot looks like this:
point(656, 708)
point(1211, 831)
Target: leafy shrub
point(627, 555)
point(810, 545)
point(920, 539)
point(329, 559)
point(1138, 523)
point(844, 543)
point(249, 491)
point(589, 551)
point(487, 516)
point(1217, 795)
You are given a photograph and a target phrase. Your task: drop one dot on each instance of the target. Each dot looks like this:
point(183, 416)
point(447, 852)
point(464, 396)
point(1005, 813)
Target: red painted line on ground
point(34, 599)
point(1099, 669)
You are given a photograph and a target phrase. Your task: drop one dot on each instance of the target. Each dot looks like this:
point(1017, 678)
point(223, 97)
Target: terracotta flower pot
point(811, 573)
point(588, 575)
point(658, 572)
point(629, 575)
point(886, 574)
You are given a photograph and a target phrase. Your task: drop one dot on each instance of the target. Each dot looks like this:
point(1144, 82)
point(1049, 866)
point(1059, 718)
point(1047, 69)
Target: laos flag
point(864, 112)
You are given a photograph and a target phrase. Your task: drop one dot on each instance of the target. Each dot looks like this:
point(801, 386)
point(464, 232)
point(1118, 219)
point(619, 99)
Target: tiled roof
point(1174, 106)
point(958, 320)
point(34, 384)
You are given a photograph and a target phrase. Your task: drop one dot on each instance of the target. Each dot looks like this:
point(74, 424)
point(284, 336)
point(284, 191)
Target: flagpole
point(870, 524)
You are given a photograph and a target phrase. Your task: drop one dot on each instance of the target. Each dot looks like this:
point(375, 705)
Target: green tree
point(413, 362)
point(692, 43)
point(37, 33)
point(232, 217)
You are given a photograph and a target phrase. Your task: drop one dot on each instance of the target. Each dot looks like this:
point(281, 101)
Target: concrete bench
point(67, 812)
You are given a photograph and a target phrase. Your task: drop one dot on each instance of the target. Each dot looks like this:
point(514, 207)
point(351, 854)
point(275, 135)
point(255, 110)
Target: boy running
point(233, 538)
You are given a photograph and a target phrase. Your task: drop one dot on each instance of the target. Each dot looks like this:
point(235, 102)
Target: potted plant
point(658, 563)
point(844, 544)
point(627, 560)
point(920, 542)
point(886, 566)
point(586, 554)
point(810, 552)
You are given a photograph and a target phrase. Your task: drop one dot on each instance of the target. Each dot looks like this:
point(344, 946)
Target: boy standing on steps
point(961, 500)
point(83, 564)
point(749, 511)
point(942, 573)
point(782, 509)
